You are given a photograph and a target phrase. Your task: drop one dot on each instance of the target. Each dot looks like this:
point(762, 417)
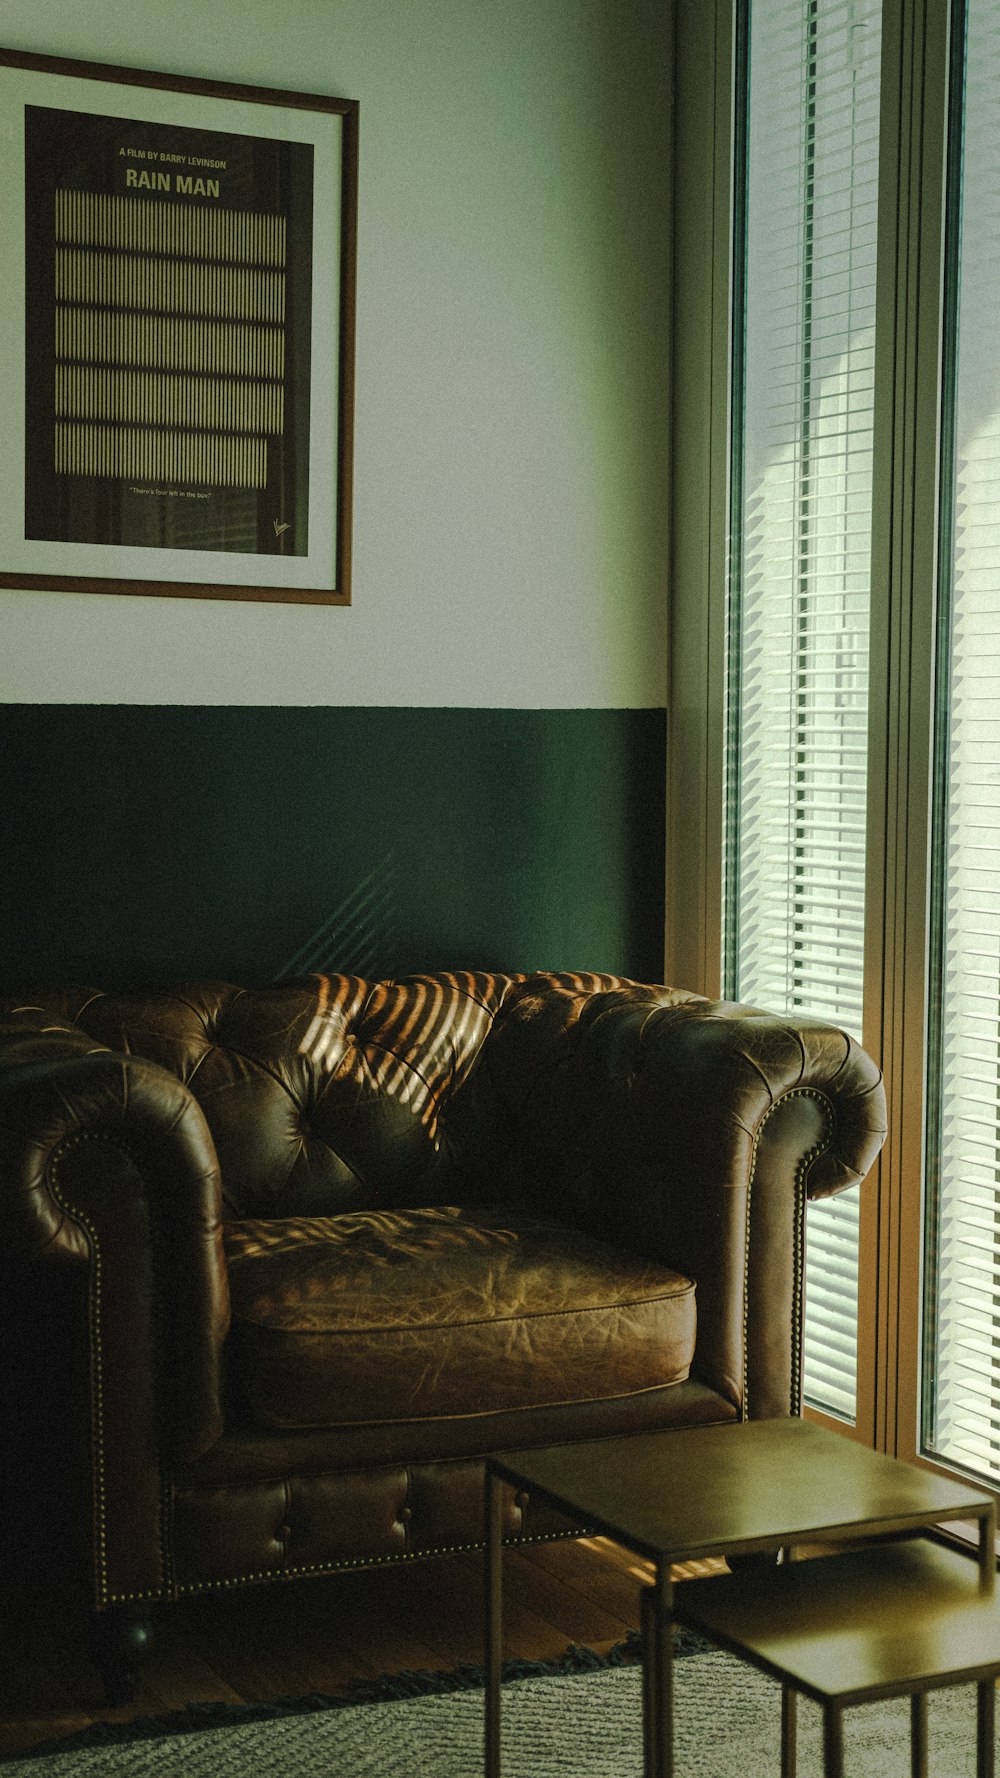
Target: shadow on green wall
point(150, 842)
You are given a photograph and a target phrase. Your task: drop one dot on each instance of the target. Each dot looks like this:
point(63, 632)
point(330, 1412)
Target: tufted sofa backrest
point(325, 1095)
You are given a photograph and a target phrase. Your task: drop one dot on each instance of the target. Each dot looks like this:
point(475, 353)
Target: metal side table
point(740, 1488)
point(898, 1620)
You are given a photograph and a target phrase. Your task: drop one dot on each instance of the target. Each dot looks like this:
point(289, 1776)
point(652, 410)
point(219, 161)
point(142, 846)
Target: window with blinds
point(961, 1393)
point(799, 589)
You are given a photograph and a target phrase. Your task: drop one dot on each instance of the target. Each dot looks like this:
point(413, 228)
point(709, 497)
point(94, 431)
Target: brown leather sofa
point(278, 1266)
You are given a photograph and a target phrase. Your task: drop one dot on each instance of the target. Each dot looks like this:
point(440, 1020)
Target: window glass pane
point(799, 605)
point(961, 1400)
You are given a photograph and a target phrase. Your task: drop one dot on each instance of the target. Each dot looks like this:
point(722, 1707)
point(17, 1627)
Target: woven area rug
point(573, 1725)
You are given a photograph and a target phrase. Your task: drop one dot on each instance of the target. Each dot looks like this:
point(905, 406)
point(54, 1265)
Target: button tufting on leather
point(594, 1098)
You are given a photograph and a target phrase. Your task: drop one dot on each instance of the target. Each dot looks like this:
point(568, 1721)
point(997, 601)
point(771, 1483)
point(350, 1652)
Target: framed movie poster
point(176, 334)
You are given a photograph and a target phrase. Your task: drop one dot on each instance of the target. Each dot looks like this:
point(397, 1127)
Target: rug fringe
point(387, 1688)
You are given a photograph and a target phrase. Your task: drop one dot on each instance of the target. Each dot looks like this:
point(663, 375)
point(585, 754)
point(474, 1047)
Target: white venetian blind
point(962, 1369)
point(799, 609)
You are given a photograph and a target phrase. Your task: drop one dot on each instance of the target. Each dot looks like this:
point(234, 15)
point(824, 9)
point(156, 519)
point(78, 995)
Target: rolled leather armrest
point(107, 1164)
point(687, 1129)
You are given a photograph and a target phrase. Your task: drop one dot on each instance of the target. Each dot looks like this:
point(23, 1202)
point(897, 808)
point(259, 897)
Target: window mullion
point(904, 570)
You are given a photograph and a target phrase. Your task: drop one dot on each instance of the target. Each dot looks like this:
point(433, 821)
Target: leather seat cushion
point(430, 1313)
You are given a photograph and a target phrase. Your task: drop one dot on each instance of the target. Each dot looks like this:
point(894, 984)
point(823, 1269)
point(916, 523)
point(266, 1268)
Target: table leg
point(789, 1719)
point(647, 1626)
point(987, 1547)
point(986, 1694)
point(658, 1677)
point(918, 1735)
point(833, 1741)
point(494, 1621)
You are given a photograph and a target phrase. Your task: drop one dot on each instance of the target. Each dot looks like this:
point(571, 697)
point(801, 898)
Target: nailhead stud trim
point(104, 1596)
point(95, 1304)
point(801, 1183)
point(343, 1564)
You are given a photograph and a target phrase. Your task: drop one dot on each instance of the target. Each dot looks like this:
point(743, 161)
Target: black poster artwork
point(168, 328)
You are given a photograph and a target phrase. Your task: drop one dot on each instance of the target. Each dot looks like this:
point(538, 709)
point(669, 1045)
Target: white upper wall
point(510, 514)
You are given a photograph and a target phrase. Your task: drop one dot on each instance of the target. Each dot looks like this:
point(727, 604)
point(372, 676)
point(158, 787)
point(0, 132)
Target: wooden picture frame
point(177, 317)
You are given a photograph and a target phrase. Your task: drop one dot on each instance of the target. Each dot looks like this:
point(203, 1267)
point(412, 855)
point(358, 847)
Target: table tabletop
point(737, 1488)
point(894, 1617)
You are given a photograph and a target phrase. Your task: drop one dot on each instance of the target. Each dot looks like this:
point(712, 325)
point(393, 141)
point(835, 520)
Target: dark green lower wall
point(144, 843)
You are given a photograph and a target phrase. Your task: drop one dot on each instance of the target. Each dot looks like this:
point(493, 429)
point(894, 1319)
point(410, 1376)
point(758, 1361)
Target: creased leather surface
point(320, 1097)
point(103, 1157)
point(317, 1521)
point(406, 1314)
point(680, 1132)
point(248, 1453)
point(654, 1119)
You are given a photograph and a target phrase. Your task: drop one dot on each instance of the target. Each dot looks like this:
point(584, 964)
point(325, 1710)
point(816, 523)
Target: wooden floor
point(269, 1642)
